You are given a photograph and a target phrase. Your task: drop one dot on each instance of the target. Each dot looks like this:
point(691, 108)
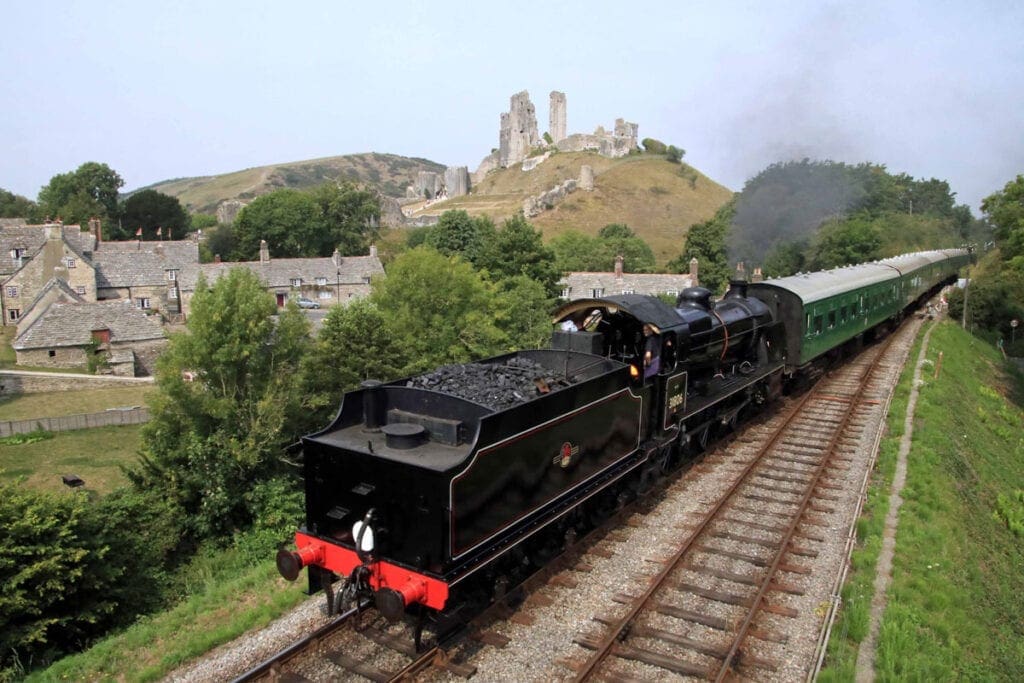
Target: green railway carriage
point(823, 311)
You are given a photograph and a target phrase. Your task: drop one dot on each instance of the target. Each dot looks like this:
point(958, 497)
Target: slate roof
point(31, 239)
point(280, 272)
point(582, 283)
point(66, 324)
point(55, 283)
point(134, 264)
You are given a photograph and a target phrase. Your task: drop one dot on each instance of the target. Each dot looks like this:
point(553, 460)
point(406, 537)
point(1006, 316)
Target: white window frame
point(80, 289)
point(596, 292)
point(13, 314)
point(321, 281)
point(324, 294)
point(566, 291)
point(172, 293)
point(71, 263)
point(172, 275)
point(12, 291)
point(143, 303)
point(296, 281)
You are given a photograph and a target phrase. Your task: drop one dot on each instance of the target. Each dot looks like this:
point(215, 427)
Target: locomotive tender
point(429, 501)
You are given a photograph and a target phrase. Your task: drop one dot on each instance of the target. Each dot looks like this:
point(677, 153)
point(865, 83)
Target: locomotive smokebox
point(373, 404)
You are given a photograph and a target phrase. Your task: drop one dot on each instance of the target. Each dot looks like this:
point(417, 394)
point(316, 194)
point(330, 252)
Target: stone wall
point(456, 181)
point(16, 382)
point(556, 116)
point(586, 178)
point(228, 210)
point(51, 261)
point(533, 206)
point(75, 357)
point(427, 183)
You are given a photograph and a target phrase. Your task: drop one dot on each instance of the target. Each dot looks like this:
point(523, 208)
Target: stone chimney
point(264, 252)
point(216, 258)
point(618, 267)
point(758, 276)
point(741, 271)
point(693, 273)
point(373, 250)
point(96, 229)
point(336, 257)
point(159, 248)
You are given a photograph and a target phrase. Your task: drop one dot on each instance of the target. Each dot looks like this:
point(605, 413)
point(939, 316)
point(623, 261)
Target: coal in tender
point(495, 385)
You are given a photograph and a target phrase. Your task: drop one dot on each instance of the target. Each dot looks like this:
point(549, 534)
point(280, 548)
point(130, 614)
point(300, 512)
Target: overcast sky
point(174, 89)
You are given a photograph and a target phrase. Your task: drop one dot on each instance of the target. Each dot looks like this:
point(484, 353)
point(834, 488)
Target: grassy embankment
point(954, 608)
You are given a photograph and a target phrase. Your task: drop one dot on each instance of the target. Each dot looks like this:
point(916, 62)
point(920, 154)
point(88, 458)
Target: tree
point(517, 249)
point(441, 308)
point(356, 342)
point(219, 242)
point(349, 215)
point(458, 233)
point(576, 252)
point(1005, 209)
point(289, 220)
point(149, 210)
point(846, 242)
point(706, 242)
point(15, 206)
point(202, 221)
point(617, 239)
point(227, 404)
point(786, 258)
point(674, 154)
point(90, 190)
point(522, 312)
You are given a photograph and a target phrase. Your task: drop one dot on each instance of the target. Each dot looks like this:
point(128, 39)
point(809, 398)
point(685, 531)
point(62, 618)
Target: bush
point(72, 569)
point(652, 146)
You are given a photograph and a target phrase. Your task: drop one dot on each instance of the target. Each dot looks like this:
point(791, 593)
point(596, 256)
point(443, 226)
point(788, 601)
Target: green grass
point(954, 609)
point(95, 455)
point(7, 355)
point(232, 595)
point(59, 403)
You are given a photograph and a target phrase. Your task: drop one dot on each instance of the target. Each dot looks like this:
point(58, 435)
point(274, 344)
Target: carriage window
point(817, 324)
point(831, 319)
point(843, 314)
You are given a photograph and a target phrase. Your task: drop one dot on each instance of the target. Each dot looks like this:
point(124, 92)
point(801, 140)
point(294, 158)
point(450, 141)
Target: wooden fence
point(114, 416)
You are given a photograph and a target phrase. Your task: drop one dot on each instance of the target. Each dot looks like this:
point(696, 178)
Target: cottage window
point(172, 293)
point(296, 282)
point(629, 291)
point(596, 292)
point(13, 313)
point(672, 292)
point(566, 292)
point(71, 263)
point(51, 353)
point(12, 291)
point(324, 294)
point(142, 302)
point(17, 253)
point(80, 289)
point(366, 279)
point(321, 281)
point(172, 275)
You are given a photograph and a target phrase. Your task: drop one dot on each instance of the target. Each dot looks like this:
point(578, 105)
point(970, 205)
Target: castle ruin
point(556, 116)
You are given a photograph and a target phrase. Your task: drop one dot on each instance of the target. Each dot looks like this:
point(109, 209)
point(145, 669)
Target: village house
point(325, 280)
point(71, 334)
point(595, 285)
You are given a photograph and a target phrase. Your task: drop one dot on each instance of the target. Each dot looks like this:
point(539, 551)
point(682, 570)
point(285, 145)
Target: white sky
point(166, 90)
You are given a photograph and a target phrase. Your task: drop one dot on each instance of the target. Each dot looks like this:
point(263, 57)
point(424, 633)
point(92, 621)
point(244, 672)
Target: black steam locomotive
point(429, 497)
point(437, 500)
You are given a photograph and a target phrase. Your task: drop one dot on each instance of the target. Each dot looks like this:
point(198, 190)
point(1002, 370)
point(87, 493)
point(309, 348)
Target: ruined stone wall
point(456, 181)
point(228, 210)
point(556, 116)
point(518, 134)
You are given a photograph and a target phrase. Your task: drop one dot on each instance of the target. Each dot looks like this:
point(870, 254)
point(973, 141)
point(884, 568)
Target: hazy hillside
point(646, 192)
point(390, 173)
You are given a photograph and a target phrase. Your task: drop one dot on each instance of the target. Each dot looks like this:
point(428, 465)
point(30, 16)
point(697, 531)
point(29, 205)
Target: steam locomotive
point(437, 500)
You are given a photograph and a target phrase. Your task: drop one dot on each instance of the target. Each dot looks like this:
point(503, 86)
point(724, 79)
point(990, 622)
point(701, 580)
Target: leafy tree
point(706, 242)
point(15, 206)
point(332, 367)
point(202, 221)
point(517, 249)
point(289, 221)
point(522, 312)
point(617, 239)
point(90, 190)
point(786, 258)
point(458, 233)
point(674, 154)
point(220, 241)
point(1005, 209)
point(652, 146)
point(577, 252)
point(296, 223)
point(227, 404)
point(149, 210)
point(442, 309)
point(843, 243)
point(350, 216)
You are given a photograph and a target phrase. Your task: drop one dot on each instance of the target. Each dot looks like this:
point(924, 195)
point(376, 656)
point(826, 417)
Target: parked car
point(303, 302)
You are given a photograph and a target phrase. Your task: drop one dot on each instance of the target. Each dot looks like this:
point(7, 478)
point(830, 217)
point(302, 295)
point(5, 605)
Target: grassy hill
point(389, 173)
point(657, 199)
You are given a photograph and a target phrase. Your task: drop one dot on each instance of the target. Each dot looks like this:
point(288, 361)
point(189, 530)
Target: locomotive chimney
point(373, 404)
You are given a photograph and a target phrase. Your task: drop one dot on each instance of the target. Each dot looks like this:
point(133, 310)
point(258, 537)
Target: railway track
point(704, 613)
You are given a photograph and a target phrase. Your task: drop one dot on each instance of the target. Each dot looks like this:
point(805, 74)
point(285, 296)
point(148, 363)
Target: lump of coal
point(495, 385)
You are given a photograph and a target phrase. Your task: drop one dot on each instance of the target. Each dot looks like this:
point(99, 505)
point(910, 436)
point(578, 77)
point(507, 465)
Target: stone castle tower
point(556, 114)
point(518, 134)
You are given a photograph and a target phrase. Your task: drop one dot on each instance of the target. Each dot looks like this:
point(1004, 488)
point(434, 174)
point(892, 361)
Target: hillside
point(646, 192)
point(389, 173)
